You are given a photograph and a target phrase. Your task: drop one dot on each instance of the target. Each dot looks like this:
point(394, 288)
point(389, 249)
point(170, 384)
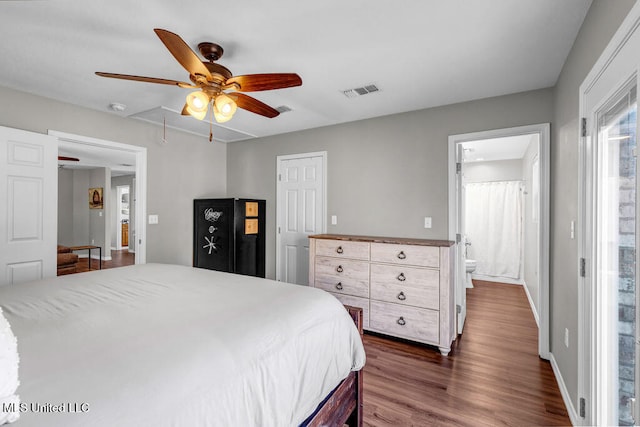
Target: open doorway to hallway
point(115, 226)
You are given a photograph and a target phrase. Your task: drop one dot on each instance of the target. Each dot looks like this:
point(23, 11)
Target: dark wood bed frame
point(344, 403)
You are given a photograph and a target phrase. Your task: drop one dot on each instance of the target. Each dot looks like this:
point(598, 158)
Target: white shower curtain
point(493, 225)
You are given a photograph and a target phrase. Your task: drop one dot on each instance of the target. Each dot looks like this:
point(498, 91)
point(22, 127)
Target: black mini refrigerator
point(229, 235)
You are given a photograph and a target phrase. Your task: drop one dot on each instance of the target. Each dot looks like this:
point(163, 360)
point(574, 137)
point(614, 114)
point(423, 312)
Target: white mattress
point(156, 345)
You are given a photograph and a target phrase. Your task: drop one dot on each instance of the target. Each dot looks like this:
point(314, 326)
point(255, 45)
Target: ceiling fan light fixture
point(224, 108)
point(197, 103)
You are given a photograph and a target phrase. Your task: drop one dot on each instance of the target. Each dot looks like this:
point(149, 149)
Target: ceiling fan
point(216, 86)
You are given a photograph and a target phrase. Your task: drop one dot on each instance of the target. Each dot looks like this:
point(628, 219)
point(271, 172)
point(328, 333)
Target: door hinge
point(279, 177)
point(458, 308)
point(583, 126)
point(583, 267)
point(278, 230)
point(458, 238)
point(632, 408)
point(583, 405)
point(458, 167)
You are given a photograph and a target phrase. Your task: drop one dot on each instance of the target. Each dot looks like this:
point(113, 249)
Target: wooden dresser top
point(375, 239)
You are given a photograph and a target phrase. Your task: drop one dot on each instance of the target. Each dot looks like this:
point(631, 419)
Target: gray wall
point(81, 221)
point(99, 219)
point(65, 207)
point(384, 174)
point(186, 168)
point(600, 24)
point(531, 228)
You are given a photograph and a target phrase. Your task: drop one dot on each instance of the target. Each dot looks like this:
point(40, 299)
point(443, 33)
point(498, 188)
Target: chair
point(67, 261)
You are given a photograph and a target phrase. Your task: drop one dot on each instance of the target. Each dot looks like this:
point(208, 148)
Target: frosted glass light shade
point(197, 103)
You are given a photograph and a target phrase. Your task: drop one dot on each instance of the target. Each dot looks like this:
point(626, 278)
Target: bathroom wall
point(497, 170)
point(531, 224)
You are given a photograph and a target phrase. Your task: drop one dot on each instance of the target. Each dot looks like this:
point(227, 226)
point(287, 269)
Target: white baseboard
point(533, 307)
point(573, 415)
point(506, 280)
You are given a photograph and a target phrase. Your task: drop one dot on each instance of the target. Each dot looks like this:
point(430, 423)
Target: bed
point(158, 344)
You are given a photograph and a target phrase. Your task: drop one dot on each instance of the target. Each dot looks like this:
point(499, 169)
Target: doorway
point(97, 149)
point(300, 212)
point(507, 240)
point(122, 217)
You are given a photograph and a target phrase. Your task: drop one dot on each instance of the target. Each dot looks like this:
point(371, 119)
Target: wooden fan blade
point(183, 53)
point(251, 104)
point(146, 79)
point(70, 159)
point(258, 82)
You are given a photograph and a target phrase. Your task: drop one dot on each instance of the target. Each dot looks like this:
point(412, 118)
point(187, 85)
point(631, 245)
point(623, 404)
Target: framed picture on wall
point(95, 198)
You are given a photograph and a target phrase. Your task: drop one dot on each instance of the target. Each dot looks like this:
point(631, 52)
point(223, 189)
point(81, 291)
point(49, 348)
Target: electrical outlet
point(93, 241)
point(566, 337)
point(427, 222)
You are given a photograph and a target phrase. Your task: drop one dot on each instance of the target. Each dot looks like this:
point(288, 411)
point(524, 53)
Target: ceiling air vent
point(359, 91)
point(283, 109)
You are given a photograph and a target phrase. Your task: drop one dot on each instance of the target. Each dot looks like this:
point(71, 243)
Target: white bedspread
point(156, 345)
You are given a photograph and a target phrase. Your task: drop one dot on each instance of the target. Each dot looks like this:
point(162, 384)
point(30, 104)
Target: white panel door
point(300, 214)
point(29, 208)
point(461, 285)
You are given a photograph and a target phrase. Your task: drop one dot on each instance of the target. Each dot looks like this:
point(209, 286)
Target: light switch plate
point(334, 220)
point(153, 219)
point(427, 222)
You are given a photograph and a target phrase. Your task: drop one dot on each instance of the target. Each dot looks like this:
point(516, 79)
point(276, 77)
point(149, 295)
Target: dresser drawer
point(419, 324)
point(419, 287)
point(423, 256)
point(342, 249)
point(342, 276)
point(363, 303)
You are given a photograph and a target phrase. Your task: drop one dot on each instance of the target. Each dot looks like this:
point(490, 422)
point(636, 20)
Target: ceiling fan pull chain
point(211, 123)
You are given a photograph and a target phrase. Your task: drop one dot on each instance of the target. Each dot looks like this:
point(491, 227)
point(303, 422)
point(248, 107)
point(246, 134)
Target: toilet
point(470, 266)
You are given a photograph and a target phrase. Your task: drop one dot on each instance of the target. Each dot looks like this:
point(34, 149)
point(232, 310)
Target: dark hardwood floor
point(492, 377)
point(118, 259)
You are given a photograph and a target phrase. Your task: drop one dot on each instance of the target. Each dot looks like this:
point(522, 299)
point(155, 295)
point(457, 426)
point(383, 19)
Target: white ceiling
point(91, 156)
point(420, 53)
point(505, 148)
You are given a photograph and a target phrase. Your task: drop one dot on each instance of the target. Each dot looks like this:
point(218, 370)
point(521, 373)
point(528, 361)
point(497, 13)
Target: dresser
point(404, 286)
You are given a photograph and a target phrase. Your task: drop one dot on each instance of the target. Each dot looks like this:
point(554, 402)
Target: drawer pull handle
point(339, 250)
point(339, 269)
point(401, 277)
point(401, 255)
point(402, 296)
point(339, 286)
point(401, 321)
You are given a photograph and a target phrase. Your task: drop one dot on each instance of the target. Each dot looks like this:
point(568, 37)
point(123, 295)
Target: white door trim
point(544, 130)
point(140, 186)
point(605, 78)
point(279, 215)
